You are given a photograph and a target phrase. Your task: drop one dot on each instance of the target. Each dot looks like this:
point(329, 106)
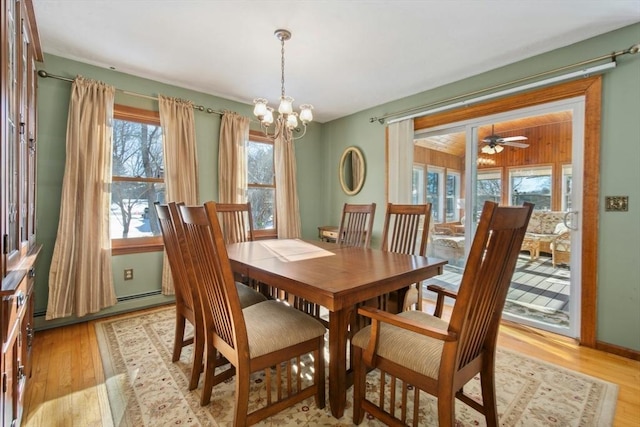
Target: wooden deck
point(538, 290)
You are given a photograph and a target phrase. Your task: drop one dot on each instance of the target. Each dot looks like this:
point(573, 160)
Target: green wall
point(318, 155)
point(618, 307)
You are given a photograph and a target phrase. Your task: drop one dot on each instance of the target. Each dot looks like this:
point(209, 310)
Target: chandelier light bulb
point(292, 121)
point(267, 119)
point(306, 115)
point(286, 105)
point(260, 108)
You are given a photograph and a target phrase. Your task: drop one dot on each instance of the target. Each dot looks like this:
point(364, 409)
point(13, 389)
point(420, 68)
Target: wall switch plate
point(128, 273)
point(616, 203)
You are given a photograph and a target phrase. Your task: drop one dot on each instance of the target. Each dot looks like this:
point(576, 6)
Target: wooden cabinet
point(19, 52)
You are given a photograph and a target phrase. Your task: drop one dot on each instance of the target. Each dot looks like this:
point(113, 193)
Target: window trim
point(135, 245)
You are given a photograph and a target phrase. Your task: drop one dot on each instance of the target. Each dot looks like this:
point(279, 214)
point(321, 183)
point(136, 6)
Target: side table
point(328, 233)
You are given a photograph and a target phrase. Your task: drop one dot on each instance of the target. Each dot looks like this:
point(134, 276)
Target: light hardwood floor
point(66, 388)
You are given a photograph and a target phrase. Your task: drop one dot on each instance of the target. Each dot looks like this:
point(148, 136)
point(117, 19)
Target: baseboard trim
point(618, 350)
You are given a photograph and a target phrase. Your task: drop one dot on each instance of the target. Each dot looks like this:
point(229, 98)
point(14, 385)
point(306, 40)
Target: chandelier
point(287, 117)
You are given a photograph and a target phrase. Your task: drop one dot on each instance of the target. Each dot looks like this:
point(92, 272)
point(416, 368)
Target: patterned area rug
point(146, 389)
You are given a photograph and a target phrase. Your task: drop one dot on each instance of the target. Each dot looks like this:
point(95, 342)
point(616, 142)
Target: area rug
point(146, 389)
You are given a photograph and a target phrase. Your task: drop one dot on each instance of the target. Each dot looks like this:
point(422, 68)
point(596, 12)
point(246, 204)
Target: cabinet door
point(32, 144)
point(10, 151)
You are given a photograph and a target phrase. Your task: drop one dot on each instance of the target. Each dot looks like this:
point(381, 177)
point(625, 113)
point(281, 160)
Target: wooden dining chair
point(188, 306)
point(236, 222)
point(265, 336)
point(405, 231)
point(439, 357)
point(187, 300)
point(356, 225)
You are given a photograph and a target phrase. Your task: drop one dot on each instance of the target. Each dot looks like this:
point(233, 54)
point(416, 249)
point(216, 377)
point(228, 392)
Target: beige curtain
point(232, 160)
point(180, 161)
point(400, 161)
point(80, 276)
point(287, 209)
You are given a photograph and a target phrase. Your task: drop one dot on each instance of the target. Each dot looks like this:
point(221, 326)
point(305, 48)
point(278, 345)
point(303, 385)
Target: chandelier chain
point(282, 65)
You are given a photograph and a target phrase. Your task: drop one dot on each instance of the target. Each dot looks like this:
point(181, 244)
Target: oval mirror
point(351, 171)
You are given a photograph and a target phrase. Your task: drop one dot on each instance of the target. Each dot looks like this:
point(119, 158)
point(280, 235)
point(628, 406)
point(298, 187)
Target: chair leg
point(487, 382)
point(319, 375)
point(210, 354)
point(242, 397)
point(446, 408)
point(359, 384)
point(179, 337)
point(198, 354)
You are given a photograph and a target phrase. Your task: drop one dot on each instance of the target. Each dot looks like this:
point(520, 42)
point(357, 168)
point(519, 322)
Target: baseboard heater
point(41, 313)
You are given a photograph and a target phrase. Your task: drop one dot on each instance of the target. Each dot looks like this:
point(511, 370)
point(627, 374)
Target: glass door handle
point(569, 219)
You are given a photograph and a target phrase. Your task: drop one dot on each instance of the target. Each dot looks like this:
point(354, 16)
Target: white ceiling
point(344, 56)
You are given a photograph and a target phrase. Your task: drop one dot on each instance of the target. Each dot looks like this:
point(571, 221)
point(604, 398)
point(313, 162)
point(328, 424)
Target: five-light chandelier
point(287, 117)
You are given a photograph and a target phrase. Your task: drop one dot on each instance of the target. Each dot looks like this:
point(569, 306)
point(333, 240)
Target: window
point(261, 184)
point(137, 180)
point(452, 196)
point(531, 185)
point(417, 185)
point(435, 192)
point(488, 187)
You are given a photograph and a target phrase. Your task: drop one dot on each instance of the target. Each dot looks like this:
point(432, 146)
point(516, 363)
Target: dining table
point(335, 277)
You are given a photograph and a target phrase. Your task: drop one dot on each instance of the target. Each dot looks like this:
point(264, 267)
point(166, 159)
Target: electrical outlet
point(616, 203)
point(128, 273)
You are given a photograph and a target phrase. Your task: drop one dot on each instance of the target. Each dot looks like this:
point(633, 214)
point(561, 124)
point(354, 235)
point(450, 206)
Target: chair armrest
point(442, 293)
point(377, 315)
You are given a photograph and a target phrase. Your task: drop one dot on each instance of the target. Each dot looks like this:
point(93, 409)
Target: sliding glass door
point(532, 155)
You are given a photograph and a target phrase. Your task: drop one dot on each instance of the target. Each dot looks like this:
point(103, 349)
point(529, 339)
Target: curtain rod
point(44, 74)
point(381, 119)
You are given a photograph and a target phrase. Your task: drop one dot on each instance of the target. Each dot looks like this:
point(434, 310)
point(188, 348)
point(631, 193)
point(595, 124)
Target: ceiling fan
point(494, 143)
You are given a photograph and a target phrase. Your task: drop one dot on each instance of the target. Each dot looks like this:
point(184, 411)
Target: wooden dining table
point(335, 277)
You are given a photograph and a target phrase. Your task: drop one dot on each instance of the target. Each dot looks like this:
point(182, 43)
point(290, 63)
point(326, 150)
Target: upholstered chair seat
point(416, 352)
point(270, 328)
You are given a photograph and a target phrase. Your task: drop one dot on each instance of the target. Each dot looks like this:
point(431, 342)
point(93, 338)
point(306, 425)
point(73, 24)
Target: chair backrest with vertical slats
point(211, 270)
point(486, 279)
point(356, 225)
point(405, 228)
point(236, 221)
point(181, 282)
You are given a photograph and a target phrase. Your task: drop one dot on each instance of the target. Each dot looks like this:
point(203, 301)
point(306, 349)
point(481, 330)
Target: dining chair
point(188, 306)
point(187, 300)
point(264, 336)
point(356, 225)
point(439, 357)
point(405, 231)
point(236, 222)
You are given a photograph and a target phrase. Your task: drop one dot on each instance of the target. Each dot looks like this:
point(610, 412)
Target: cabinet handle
point(30, 335)
point(32, 272)
point(20, 374)
point(20, 299)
